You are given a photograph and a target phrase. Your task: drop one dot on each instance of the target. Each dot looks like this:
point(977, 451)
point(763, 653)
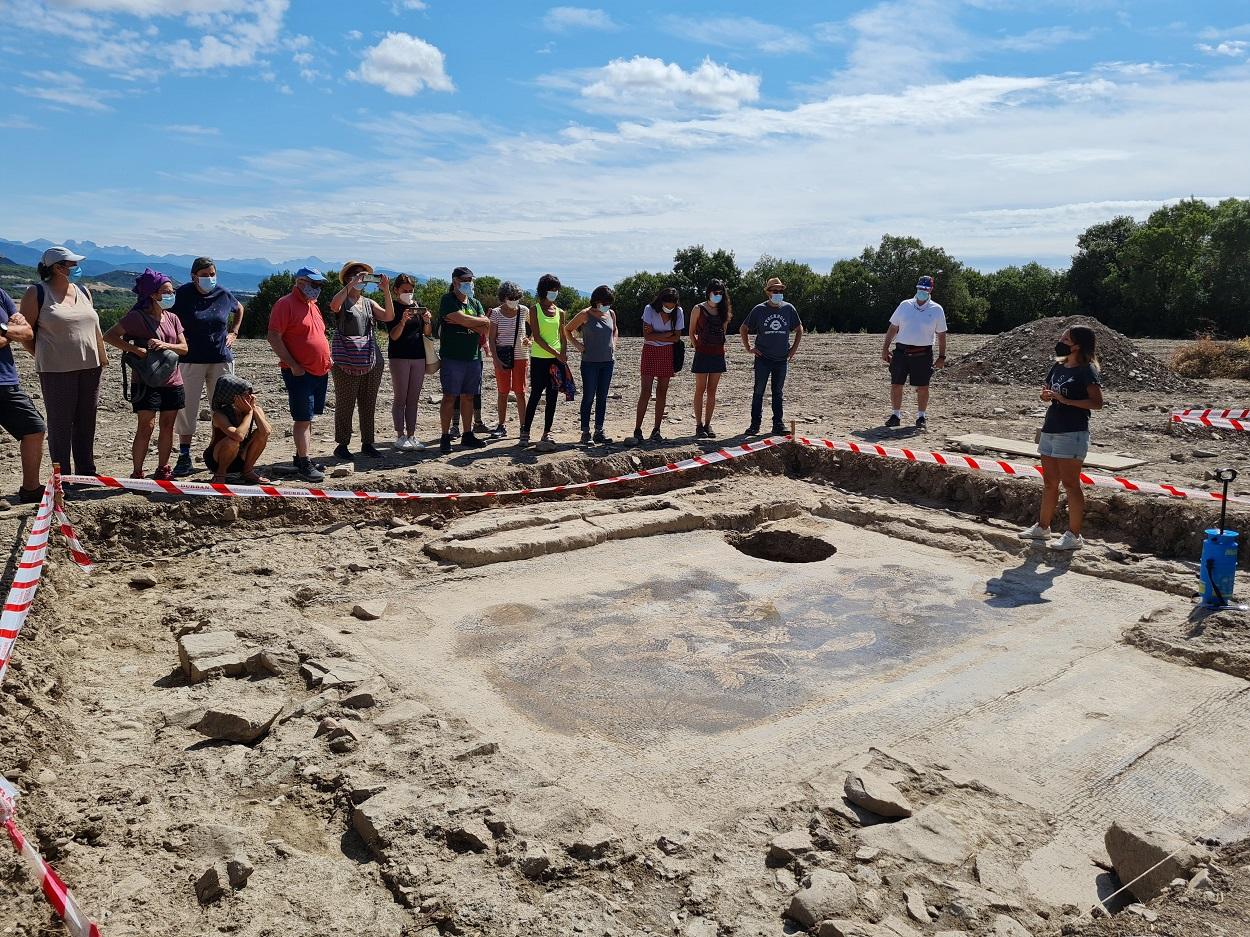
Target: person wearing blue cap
point(914, 324)
point(297, 335)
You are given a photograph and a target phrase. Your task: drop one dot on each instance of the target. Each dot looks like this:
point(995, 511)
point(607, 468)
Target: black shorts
point(156, 399)
point(911, 364)
point(18, 415)
point(236, 467)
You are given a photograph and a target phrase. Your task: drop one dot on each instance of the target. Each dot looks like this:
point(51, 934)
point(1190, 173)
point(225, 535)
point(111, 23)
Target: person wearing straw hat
point(915, 322)
point(358, 364)
point(771, 322)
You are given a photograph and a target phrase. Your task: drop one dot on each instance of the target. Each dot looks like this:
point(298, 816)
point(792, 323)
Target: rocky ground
point(202, 748)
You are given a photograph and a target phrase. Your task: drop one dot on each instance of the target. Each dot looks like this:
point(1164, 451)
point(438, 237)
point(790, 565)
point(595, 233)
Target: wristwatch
point(4, 330)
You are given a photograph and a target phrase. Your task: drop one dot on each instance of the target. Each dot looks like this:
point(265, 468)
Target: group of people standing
point(177, 343)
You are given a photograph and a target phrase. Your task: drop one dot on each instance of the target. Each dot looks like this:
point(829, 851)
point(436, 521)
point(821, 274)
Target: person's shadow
point(1024, 584)
point(887, 433)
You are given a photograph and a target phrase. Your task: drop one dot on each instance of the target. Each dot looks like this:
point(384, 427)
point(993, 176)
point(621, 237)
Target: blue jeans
point(766, 368)
point(305, 395)
point(596, 382)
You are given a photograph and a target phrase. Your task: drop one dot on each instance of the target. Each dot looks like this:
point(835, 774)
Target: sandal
point(255, 478)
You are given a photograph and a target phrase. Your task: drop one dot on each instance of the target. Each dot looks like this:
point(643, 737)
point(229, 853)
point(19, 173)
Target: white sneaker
point(1069, 541)
point(1036, 532)
point(401, 442)
point(415, 444)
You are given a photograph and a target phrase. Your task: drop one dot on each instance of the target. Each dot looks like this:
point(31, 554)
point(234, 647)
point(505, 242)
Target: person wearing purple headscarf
point(149, 327)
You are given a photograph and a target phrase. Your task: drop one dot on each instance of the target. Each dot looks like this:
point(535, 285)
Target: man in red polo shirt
point(297, 335)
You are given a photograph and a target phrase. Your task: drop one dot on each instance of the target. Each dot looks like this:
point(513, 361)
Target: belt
point(913, 349)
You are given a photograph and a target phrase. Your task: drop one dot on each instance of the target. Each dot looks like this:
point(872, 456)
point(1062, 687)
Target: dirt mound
point(1023, 355)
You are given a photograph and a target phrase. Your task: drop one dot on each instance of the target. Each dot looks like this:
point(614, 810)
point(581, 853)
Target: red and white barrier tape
point(60, 897)
point(26, 580)
point(275, 491)
point(76, 550)
point(1238, 420)
point(1001, 467)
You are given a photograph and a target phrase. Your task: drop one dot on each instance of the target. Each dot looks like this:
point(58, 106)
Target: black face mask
point(1062, 350)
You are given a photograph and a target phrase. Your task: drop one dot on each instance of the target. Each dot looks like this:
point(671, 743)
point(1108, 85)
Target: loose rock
point(593, 843)
point(825, 894)
point(239, 869)
point(205, 654)
point(240, 719)
point(479, 751)
point(534, 862)
point(787, 846)
point(208, 887)
point(1134, 850)
point(472, 836)
point(370, 610)
point(916, 905)
point(926, 836)
point(867, 790)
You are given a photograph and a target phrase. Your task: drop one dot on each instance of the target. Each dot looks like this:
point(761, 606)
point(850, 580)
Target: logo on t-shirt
point(776, 322)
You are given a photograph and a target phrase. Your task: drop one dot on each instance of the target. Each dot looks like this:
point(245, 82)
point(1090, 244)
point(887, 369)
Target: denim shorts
point(1063, 445)
point(460, 378)
point(306, 395)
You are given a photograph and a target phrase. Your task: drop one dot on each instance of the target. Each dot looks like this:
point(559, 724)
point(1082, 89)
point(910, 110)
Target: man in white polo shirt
point(914, 324)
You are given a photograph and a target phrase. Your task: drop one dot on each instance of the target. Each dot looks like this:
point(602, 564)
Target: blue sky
point(596, 140)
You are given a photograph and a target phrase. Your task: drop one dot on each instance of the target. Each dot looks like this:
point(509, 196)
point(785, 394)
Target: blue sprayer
point(1218, 568)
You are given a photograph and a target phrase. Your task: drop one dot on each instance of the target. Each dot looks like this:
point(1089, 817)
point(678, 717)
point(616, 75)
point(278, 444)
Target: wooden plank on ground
point(1018, 447)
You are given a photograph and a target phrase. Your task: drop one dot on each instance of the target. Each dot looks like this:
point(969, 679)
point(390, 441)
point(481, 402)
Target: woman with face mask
point(546, 320)
point(597, 326)
point(407, 328)
point(662, 324)
point(70, 355)
point(510, 350)
point(1073, 387)
point(709, 322)
point(357, 371)
point(151, 326)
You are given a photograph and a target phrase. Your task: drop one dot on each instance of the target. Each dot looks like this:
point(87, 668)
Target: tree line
point(1183, 271)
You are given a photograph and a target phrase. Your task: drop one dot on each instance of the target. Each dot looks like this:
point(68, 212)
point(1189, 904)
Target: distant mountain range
point(243, 275)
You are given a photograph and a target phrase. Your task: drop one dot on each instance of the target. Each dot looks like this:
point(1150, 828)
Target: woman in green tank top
point(546, 324)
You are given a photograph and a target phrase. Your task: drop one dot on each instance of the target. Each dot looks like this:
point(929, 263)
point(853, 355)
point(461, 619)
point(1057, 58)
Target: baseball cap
point(462, 273)
point(55, 255)
point(310, 273)
point(925, 283)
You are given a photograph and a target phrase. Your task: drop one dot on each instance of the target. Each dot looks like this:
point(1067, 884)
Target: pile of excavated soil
point(1025, 354)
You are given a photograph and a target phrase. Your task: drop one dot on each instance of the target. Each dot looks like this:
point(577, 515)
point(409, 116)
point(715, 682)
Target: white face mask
point(553, 295)
point(406, 298)
point(511, 303)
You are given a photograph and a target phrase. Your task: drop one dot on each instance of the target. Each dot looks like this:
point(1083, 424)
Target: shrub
point(1207, 358)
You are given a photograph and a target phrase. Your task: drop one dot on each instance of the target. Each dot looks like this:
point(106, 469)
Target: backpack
point(152, 370)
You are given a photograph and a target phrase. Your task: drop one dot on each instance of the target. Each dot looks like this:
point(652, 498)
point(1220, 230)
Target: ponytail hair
point(1086, 342)
point(45, 272)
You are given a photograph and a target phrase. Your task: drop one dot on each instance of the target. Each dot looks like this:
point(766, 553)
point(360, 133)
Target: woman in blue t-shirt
point(1073, 388)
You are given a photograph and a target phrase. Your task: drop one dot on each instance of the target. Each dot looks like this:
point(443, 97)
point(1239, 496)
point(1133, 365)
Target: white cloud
point(1212, 33)
point(412, 5)
point(643, 85)
point(737, 32)
point(567, 19)
point(66, 89)
point(1046, 37)
point(1232, 48)
point(194, 130)
point(404, 65)
point(154, 7)
point(355, 34)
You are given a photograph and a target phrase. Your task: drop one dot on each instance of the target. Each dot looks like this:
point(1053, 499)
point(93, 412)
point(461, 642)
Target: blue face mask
point(777, 298)
point(552, 294)
point(466, 289)
point(166, 300)
point(207, 284)
point(605, 309)
point(922, 296)
point(716, 298)
point(310, 292)
point(75, 273)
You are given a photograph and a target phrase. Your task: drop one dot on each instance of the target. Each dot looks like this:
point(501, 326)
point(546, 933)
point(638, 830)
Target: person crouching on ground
point(297, 335)
point(18, 415)
point(772, 322)
point(597, 325)
point(509, 348)
point(150, 326)
point(240, 432)
point(358, 364)
point(1073, 387)
point(461, 321)
point(211, 318)
point(914, 324)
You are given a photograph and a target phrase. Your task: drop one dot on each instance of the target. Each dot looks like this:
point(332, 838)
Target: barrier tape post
point(1236, 420)
point(60, 897)
point(76, 550)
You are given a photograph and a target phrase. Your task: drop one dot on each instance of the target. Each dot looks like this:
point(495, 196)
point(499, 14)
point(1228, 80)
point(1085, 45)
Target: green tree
point(849, 292)
point(896, 263)
point(1095, 278)
point(694, 268)
point(632, 295)
point(1017, 295)
point(256, 312)
point(804, 288)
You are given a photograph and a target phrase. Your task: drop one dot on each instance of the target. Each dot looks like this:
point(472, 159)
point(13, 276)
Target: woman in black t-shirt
point(1073, 388)
point(407, 329)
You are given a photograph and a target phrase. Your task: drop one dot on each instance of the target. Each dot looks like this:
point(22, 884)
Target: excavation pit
point(682, 665)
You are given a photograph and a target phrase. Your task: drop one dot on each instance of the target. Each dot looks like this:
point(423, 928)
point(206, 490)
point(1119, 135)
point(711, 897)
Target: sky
point(594, 141)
